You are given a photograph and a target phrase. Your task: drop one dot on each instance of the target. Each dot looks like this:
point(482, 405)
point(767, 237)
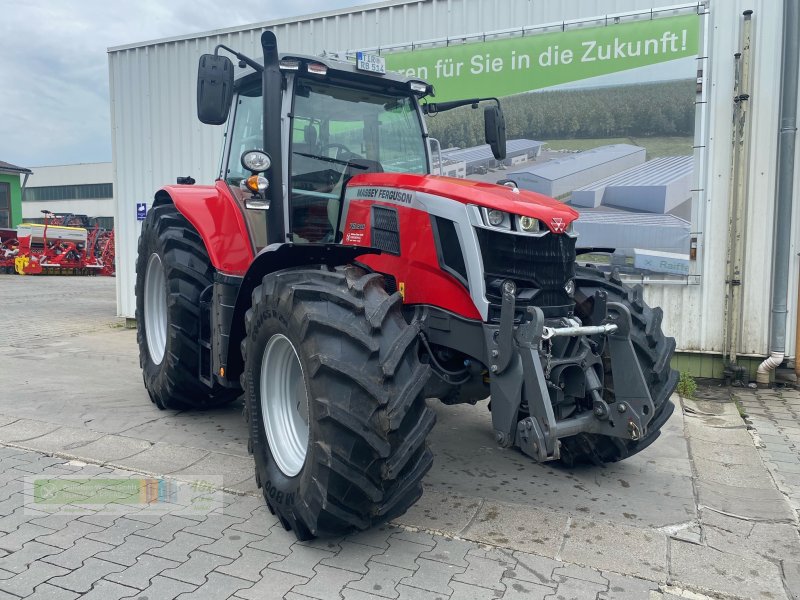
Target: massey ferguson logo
point(558, 224)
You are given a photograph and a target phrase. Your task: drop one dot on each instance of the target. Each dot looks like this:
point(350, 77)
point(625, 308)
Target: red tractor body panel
point(214, 213)
point(419, 277)
point(556, 215)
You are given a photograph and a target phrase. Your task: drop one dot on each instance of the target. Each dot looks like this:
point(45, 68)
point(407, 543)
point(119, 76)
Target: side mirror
point(495, 130)
point(214, 88)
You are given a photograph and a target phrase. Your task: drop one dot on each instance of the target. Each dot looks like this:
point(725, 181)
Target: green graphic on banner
point(514, 65)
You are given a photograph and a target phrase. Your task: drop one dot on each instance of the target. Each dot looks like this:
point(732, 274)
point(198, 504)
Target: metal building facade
point(156, 136)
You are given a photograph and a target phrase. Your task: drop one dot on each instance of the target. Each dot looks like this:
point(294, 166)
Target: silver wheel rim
point(284, 404)
point(155, 309)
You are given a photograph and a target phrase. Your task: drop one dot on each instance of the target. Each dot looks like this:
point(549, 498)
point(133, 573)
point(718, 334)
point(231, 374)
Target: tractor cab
point(302, 138)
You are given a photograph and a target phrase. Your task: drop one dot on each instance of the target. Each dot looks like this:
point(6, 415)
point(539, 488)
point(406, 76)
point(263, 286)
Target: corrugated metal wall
point(157, 137)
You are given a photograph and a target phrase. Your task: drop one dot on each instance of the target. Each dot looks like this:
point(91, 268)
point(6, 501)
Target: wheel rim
point(284, 404)
point(155, 309)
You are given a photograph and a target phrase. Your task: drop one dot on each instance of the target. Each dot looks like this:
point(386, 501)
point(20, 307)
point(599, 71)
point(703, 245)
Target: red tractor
point(337, 284)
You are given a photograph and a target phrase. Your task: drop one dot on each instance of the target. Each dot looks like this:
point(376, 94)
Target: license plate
point(370, 62)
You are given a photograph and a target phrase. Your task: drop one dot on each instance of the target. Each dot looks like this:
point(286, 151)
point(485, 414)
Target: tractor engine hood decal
point(556, 215)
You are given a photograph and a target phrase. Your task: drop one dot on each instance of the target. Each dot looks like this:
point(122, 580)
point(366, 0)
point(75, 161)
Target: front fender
point(277, 257)
point(219, 221)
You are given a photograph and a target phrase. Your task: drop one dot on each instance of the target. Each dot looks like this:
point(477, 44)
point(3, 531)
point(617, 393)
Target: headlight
point(528, 224)
point(496, 217)
point(256, 161)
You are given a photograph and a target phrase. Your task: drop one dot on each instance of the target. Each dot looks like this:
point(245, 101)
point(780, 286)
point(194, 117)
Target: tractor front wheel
point(172, 270)
point(334, 399)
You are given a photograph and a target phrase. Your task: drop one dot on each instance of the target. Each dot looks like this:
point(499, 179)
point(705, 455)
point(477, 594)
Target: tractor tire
point(653, 350)
point(172, 270)
point(334, 399)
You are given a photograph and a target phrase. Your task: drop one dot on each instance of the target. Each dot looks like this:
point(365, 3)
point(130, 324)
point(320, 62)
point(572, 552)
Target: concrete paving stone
point(250, 564)
point(623, 587)
point(352, 557)
point(438, 511)
point(501, 555)
point(162, 458)
point(518, 527)
point(63, 439)
point(351, 594)
point(259, 523)
point(783, 467)
point(711, 518)
point(195, 570)
point(273, 585)
point(726, 454)
point(166, 528)
point(17, 562)
point(517, 589)
point(23, 584)
point(74, 556)
point(81, 579)
point(6, 420)
point(228, 468)
point(484, 572)
point(22, 535)
point(377, 537)
point(433, 576)
point(21, 515)
point(24, 430)
point(569, 571)
point(401, 553)
point(213, 525)
point(449, 551)
point(533, 568)
point(418, 537)
point(411, 593)
point(66, 537)
point(127, 553)
point(710, 570)
point(10, 504)
point(788, 479)
point(614, 547)
point(231, 544)
point(179, 548)
point(146, 567)
point(56, 520)
point(111, 448)
point(121, 529)
point(757, 504)
point(733, 475)
point(380, 580)
point(301, 561)
point(735, 435)
point(327, 583)
point(163, 588)
point(466, 591)
point(45, 591)
point(277, 541)
point(577, 589)
point(773, 541)
point(248, 486)
point(244, 507)
point(779, 457)
point(108, 590)
point(791, 577)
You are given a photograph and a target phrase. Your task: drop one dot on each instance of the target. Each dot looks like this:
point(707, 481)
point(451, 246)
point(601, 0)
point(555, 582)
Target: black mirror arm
point(245, 59)
point(432, 108)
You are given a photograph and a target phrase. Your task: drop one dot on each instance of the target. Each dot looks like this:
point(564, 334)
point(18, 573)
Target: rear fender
point(276, 257)
point(219, 221)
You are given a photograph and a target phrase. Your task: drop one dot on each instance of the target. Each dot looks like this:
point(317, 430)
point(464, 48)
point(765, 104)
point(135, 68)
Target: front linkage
point(523, 372)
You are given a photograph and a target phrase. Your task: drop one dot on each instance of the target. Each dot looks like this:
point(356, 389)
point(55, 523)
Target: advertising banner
point(600, 118)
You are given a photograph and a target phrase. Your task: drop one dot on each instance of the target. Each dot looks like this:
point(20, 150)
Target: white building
point(85, 189)
point(156, 135)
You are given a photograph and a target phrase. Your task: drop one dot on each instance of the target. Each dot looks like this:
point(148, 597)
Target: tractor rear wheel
point(172, 270)
point(334, 399)
point(653, 350)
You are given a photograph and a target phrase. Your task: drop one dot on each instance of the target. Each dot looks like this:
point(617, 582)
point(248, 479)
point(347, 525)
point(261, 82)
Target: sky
point(54, 106)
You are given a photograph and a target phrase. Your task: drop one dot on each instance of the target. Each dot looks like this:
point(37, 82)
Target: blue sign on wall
point(141, 211)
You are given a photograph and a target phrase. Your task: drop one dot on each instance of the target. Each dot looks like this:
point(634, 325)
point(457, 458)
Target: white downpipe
point(765, 368)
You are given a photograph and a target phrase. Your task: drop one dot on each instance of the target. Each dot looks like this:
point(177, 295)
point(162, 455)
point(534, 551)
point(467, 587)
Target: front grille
point(540, 266)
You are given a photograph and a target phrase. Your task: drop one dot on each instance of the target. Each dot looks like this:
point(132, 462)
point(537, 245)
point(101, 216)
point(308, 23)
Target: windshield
point(339, 132)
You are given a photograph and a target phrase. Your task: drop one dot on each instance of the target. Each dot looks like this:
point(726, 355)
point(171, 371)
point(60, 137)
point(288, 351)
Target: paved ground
point(698, 512)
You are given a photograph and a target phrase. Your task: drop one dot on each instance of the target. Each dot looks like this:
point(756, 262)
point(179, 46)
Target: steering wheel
point(342, 151)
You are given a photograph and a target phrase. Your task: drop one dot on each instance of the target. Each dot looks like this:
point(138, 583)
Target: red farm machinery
point(333, 281)
point(62, 245)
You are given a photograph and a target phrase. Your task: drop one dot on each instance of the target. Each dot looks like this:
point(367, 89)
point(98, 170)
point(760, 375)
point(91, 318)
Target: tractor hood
point(556, 215)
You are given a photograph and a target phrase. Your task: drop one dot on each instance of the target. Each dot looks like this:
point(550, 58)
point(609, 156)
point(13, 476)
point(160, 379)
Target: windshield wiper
point(346, 163)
